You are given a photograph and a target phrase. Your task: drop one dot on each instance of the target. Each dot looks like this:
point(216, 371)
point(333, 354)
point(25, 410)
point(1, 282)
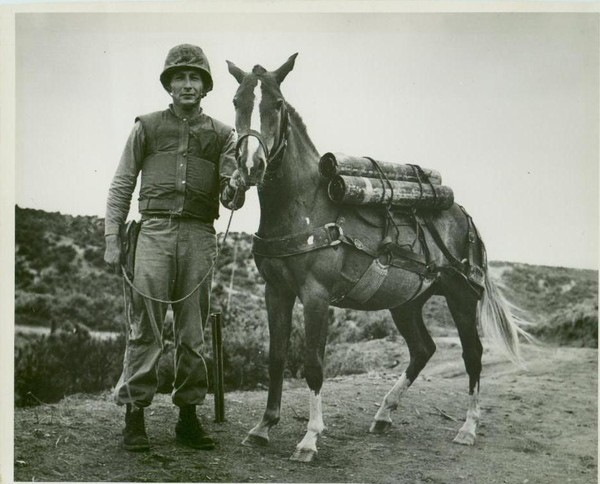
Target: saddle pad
point(365, 228)
point(375, 215)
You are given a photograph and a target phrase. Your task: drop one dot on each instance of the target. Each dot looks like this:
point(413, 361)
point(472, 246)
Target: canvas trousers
point(172, 256)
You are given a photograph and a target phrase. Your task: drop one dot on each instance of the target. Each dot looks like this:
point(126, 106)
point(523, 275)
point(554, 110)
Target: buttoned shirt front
point(175, 156)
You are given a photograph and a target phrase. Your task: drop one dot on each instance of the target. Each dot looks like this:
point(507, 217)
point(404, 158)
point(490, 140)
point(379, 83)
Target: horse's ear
point(236, 72)
point(285, 69)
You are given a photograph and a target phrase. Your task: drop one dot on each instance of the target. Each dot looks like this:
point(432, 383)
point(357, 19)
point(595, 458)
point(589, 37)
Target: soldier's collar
point(196, 115)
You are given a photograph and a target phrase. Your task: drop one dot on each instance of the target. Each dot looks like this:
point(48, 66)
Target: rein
point(166, 301)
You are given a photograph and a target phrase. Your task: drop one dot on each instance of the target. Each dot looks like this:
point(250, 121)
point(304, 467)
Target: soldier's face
point(186, 88)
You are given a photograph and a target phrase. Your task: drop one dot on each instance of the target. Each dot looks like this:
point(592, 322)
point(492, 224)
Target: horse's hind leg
point(463, 307)
point(280, 304)
point(409, 321)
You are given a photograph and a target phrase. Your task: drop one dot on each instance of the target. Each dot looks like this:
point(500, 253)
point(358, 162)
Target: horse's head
point(260, 119)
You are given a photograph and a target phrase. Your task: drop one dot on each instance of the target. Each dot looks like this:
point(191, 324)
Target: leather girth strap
point(330, 235)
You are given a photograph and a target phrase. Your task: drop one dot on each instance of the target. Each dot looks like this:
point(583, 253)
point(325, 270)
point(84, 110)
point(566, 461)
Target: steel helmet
point(190, 56)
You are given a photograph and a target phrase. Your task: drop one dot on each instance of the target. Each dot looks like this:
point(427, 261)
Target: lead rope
point(165, 301)
point(157, 333)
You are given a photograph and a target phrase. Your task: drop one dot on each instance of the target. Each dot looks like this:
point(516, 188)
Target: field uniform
point(185, 162)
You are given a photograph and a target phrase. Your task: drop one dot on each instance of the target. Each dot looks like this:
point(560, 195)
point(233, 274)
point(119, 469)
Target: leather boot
point(189, 432)
point(134, 434)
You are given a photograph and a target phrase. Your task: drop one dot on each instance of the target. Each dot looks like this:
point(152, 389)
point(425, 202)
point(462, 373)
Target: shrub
point(545, 290)
point(95, 256)
point(349, 326)
point(297, 346)
point(245, 348)
point(49, 367)
point(63, 258)
point(33, 309)
point(576, 325)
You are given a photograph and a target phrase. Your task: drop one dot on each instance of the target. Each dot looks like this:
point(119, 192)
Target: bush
point(33, 309)
point(297, 346)
point(245, 348)
point(576, 325)
point(545, 290)
point(101, 311)
point(349, 326)
point(49, 367)
point(95, 256)
point(63, 257)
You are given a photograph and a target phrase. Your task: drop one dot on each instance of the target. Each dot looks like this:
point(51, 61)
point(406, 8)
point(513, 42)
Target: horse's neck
point(293, 202)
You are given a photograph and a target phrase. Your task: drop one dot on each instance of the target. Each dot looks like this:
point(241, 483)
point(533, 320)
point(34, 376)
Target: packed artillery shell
point(356, 190)
point(334, 164)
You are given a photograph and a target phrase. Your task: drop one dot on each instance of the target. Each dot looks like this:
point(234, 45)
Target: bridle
point(272, 158)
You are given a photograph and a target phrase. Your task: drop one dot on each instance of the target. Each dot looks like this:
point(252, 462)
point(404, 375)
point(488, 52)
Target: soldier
point(187, 161)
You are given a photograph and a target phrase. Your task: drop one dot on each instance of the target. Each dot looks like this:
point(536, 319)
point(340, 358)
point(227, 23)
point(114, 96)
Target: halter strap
point(273, 156)
point(248, 134)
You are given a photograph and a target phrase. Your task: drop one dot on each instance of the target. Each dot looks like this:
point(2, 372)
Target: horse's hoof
point(303, 455)
point(252, 440)
point(464, 438)
point(380, 426)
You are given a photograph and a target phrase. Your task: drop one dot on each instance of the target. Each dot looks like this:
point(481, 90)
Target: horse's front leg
point(315, 324)
point(280, 304)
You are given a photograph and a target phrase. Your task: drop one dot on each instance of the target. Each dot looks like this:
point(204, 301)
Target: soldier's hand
point(237, 181)
point(112, 254)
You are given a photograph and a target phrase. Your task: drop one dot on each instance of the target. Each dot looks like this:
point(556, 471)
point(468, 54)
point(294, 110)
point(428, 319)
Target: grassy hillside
point(62, 282)
point(561, 302)
point(61, 277)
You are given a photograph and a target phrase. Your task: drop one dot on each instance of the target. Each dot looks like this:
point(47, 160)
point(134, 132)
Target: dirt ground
point(539, 425)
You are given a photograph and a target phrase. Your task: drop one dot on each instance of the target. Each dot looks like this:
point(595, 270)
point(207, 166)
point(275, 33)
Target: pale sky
point(504, 105)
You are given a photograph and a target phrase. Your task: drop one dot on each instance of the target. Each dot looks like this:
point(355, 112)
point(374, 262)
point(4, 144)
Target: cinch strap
point(369, 283)
point(328, 235)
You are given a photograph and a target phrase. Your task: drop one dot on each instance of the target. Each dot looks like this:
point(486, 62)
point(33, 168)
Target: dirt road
point(538, 426)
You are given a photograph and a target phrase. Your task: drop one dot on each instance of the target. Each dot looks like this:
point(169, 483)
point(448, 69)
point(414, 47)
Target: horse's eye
point(235, 103)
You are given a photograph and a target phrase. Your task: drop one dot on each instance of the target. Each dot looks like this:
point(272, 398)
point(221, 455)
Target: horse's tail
point(500, 322)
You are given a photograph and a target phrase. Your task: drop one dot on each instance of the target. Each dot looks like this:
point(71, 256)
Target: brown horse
point(309, 248)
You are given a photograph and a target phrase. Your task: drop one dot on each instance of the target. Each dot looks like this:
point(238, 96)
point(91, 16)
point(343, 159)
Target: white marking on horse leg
point(306, 450)
point(466, 434)
point(307, 220)
point(260, 433)
point(383, 418)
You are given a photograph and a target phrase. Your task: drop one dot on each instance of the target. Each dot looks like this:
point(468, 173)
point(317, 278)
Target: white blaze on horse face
point(253, 144)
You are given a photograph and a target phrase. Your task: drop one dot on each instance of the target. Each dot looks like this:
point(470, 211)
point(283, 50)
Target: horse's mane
point(297, 121)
